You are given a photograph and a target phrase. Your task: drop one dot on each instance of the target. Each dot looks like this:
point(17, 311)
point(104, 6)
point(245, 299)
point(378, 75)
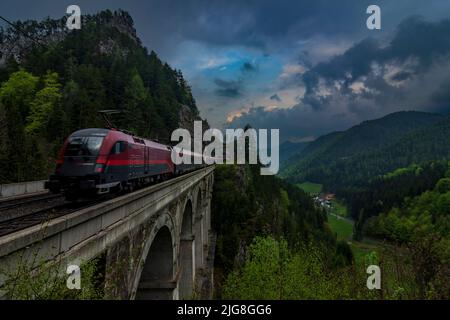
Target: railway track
point(42, 216)
point(15, 203)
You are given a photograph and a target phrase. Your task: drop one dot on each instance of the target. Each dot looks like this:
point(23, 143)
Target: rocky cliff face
point(123, 22)
point(16, 42)
point(187, 116)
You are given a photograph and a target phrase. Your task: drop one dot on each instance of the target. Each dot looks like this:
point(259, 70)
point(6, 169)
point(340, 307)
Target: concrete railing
point(21, 188)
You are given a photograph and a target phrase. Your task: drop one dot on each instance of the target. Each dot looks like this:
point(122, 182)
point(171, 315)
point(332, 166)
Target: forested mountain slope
point(246, 205)
point(290, 149)
point(348, 159)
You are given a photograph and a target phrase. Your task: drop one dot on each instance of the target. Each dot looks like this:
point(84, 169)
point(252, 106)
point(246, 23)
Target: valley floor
point(343, 227)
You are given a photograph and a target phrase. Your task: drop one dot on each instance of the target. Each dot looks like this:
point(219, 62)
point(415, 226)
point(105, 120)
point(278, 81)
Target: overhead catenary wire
point(21, 31)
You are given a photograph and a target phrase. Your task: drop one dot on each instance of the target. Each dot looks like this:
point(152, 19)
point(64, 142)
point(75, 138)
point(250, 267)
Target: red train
point(98, 161)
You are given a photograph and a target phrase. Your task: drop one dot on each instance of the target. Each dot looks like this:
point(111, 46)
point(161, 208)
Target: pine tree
point(135, 97)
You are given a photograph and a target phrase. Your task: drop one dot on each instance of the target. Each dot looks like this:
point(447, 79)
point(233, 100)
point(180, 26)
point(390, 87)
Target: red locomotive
point(98, 161)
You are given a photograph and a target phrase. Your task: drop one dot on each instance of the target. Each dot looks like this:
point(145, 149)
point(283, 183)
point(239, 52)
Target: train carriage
point(96, 161)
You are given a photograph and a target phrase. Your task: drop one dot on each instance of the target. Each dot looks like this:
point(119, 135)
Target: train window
point(83, 146)
point(119, 147)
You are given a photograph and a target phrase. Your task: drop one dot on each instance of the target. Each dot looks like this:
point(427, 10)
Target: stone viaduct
point(156, 243)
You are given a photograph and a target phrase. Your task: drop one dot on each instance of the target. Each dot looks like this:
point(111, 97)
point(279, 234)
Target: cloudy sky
point(306, 67)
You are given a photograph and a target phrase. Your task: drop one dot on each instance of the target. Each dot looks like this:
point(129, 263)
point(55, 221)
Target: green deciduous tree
point(136, 97)
point(45, 105)
point(273, 271)
point(16, 95)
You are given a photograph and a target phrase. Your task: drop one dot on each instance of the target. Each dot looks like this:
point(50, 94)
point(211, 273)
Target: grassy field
point(309, 187)
point(339, 208)
point(344, 231)
point(361, 249)
point(342, 227)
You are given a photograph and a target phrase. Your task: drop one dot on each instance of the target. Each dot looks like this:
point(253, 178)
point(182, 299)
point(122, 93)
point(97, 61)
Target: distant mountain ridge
point(288, 149)
point(348, 158)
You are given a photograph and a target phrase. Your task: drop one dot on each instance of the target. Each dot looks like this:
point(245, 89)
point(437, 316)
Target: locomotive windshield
point(83, 146)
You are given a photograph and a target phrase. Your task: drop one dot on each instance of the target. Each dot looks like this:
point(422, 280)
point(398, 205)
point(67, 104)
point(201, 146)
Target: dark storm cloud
point(256, 22)
point(440, 99)
point(163, 25)
point(248, 67)
point(416, 46)
point(401, 76)
point(228, 89)
point(420, 38)
point(355, 62)
point(415, 38)
point(275, 97)
point(371, 79)
point(259, 22)
point(235, 88)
